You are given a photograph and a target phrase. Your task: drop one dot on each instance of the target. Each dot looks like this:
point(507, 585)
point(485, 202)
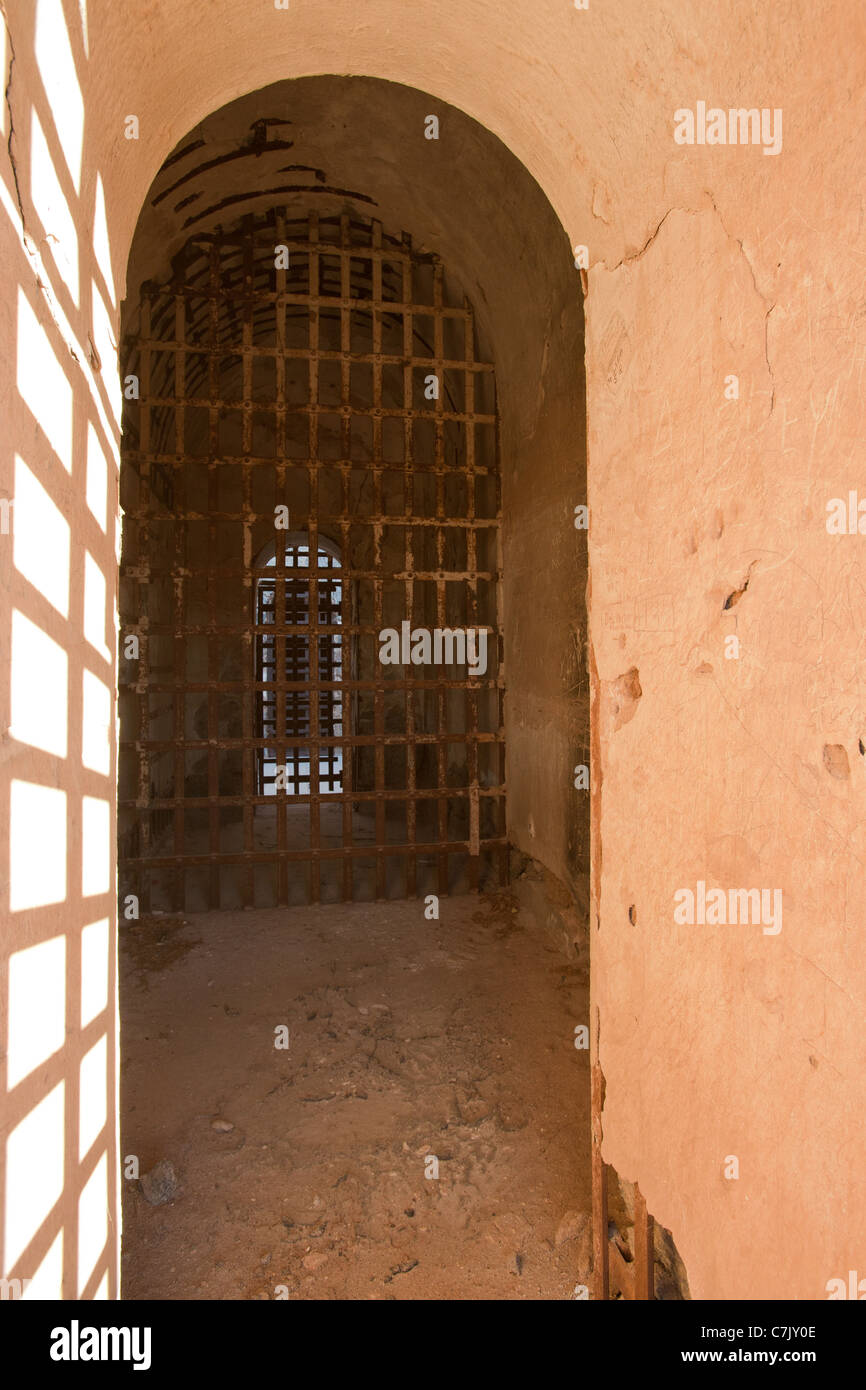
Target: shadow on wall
point(58, 480)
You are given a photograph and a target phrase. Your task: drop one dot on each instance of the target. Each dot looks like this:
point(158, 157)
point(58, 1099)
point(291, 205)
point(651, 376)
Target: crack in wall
point(636, 255)
point(87, 359)
point(768, 308)
point(736, 594)
point(8, 99)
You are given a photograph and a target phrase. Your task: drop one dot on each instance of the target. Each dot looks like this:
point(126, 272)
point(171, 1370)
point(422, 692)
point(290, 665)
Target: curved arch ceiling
point(327, 143)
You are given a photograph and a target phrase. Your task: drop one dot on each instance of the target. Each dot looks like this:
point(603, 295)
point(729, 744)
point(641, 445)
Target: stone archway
point(303, 363)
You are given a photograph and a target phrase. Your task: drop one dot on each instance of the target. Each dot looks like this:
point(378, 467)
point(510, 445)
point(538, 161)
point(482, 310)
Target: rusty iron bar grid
point(341, 269)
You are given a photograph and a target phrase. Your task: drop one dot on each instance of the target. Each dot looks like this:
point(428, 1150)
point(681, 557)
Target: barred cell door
point(310, 458)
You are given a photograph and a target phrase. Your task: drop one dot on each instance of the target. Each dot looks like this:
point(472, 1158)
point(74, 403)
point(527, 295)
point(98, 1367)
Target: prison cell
point(311, 457)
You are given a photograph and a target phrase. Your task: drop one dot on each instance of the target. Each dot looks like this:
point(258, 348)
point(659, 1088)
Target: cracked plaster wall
point(713, 1041)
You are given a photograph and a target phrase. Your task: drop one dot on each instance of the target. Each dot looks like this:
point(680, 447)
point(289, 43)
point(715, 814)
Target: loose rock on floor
point(414, 1047)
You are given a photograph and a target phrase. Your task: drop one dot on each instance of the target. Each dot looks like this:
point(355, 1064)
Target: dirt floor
point(301, 1172)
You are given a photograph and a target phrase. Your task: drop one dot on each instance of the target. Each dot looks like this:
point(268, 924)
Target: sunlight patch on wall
point(92, 1095)
point(95, 846)
point(34, 1172)
point(94, 970)
point(43, 384)
point(96, 724)
point(4, 58)
point(94, 606)
point(60, 80)
point(38, 679)
point(92, 1222)
point(40, 548)
point(37, 1007)
point(101, 243)
point(85, 37)
point(106, 345)
point(37, 845)
point(97, 478)
point(53, 209)
point(47, 1282)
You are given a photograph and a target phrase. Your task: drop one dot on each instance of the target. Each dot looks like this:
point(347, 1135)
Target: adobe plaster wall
point(704, 262)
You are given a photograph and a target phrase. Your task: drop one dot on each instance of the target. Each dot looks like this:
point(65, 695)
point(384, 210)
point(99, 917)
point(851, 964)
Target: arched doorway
point(315, 349)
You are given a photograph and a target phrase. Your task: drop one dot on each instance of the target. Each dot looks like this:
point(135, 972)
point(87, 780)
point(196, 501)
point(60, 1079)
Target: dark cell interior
point(311, 459)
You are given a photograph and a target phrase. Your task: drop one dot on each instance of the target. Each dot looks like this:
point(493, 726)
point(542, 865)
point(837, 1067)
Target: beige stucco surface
point(703, 262)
